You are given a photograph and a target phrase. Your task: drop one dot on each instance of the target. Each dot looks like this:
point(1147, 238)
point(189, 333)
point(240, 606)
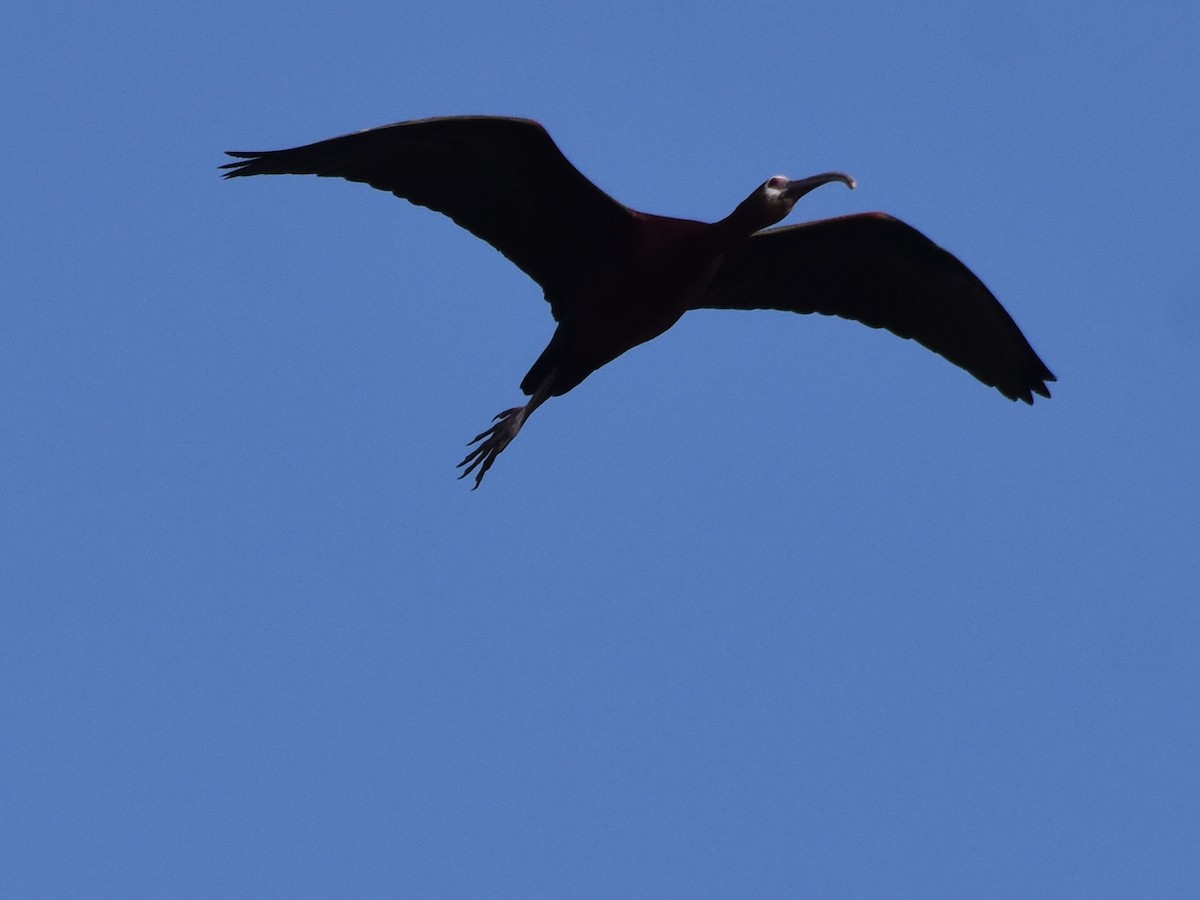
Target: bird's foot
point(491, 443)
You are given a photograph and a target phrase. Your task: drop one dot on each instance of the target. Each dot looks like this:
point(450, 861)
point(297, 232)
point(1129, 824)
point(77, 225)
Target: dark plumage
point(616, 277)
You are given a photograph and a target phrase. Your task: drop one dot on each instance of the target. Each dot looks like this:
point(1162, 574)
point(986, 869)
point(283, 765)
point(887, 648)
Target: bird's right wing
point(502, 179)
point(879, 271)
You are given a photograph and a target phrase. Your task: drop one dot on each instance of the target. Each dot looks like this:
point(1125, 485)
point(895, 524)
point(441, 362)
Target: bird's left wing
point(502, 179)
point(879, 271)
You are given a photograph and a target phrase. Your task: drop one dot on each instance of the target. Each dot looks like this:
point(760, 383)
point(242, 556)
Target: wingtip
point(234, 167)
point(1038, 388)
point(1042, 387)
point(243, 162)
point(1025, 391)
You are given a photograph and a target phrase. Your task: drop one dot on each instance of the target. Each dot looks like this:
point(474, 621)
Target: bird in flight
point(616, 277)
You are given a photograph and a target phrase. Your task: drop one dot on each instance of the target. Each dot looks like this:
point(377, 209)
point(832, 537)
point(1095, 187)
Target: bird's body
point(616, 278)
point(615, 308)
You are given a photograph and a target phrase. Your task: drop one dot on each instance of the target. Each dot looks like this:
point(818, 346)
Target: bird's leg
point(500, 435)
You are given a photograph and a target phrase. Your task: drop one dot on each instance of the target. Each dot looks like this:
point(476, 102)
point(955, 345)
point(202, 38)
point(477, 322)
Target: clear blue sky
point(771, 607)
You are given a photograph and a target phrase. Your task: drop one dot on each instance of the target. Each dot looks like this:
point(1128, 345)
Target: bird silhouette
point(616, 277)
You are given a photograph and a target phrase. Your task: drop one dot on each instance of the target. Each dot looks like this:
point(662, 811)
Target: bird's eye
point(778, 182)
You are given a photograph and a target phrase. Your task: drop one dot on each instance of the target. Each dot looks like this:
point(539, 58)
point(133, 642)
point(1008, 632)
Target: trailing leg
point(506, 425)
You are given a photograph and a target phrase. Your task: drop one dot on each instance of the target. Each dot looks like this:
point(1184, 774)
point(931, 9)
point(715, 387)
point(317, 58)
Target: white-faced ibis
point(615, 277)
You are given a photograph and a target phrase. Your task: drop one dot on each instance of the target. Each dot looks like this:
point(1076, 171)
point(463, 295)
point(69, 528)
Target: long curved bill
point(801, 186)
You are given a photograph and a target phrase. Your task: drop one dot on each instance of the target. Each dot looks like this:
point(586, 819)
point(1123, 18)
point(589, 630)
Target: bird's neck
point(749, 217)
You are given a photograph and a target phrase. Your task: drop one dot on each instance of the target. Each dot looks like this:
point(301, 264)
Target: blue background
point(771, 607)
